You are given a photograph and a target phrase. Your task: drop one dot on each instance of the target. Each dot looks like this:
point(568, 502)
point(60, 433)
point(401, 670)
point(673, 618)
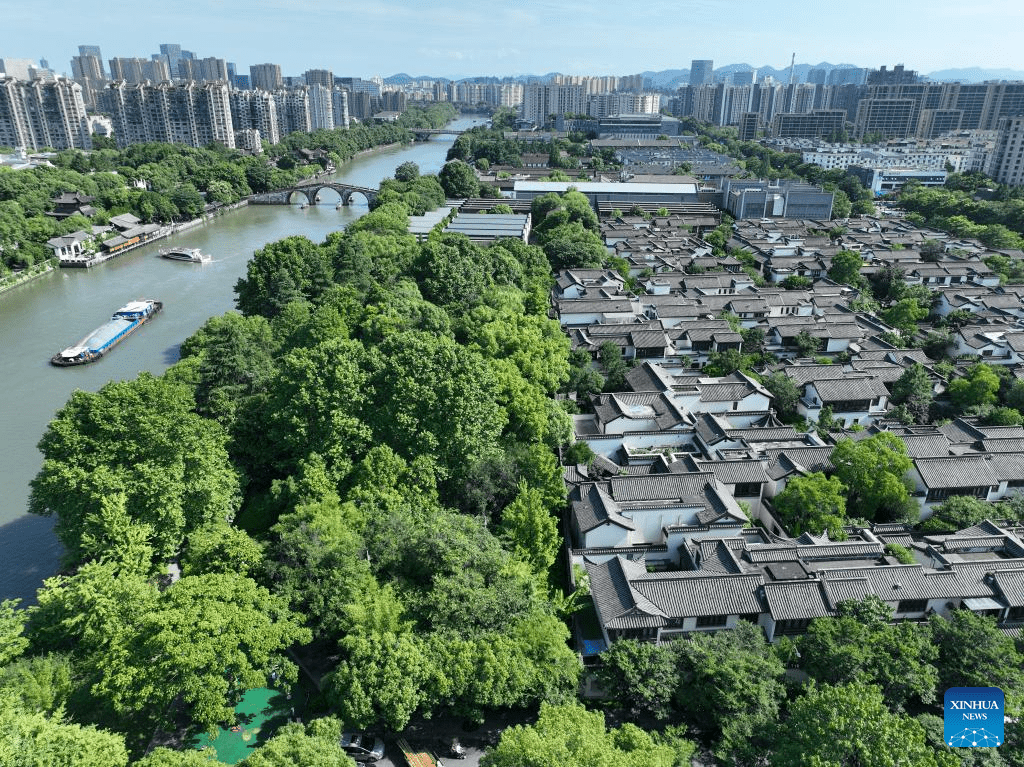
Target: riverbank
point(159, 234)
point(45, 315)
point(36, 271)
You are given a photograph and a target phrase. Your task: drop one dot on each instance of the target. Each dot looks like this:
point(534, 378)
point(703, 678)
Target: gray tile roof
point(593, 508)
point(660, 487)
point(618, 605)
point(736, 472)
point(897, 582)
point(1008, 466)
point(795, 600)
point(849, 388)
point(958, 471)
point(1010, 584)
point(926, 445)
point(687, 597)
point(1003, 444)
point(842, 589)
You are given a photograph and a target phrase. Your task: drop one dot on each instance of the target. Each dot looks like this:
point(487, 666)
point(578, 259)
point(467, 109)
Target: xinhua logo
point(973, 717)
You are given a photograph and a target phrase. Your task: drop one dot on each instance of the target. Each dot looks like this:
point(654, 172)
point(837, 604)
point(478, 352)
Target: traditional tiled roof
point(1008, 466)
point(926, 445)
point(593, 508)
point(849, 388)
point(957, 471)
point(1003, 444)
point(688, 597)
point(1010, 584)
point(618, 605)
point(898, 582)
point(801, 374)
point(736, 472)
point(660, 487)
point(843, 589)
point(795, 600)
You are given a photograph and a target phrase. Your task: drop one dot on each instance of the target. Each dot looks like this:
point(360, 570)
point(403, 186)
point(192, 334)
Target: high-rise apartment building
point(821, 123)
point(1006, 163)
point(255, 110)
point(189, 113)
point(748, 126)
point(887, 118)
point(40, 114)
point(702, 72)
point(87, 67)
point(94, 51)
point(817, 76)
point(895, 76)
point(542, 101)
point(87, 70)
point(324, 77)
point(171, 52)
point(139, 70)
point(321, 107)
point(748, 77)
point(339, 103)
point(17, 68)
point(266, 77)
point(206, 70)
point(847, 76)
point(293, 110)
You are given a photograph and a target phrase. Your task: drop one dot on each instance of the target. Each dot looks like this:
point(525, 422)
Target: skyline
point(456, 38)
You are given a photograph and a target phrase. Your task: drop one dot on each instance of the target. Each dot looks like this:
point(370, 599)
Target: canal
point(42, 317)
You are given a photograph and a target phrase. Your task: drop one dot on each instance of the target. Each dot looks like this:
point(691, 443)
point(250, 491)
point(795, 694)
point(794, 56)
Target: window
point(747, 489)
point(709, 621)
point(793, 626)
point(912, 606)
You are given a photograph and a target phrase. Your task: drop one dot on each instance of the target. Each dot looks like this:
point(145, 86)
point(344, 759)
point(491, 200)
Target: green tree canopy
point(12, 627)
point(407, 171)
point(973, 652)
point(639, 676)
point(29, 738)
point(850, 725)
point(785, 394)
point(318, 744)
point(813, 503)
point(571, 736)
point(914, 390)
point(861, 645)
point(133, 456)
point(845, 269)
point(958, 513)
point(288, 270)
point(978, 387)
point(731, 684)
point(873, 471)
point(458, 180)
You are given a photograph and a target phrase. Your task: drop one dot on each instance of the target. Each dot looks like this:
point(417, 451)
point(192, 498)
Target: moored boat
point(125, 321)
point(192, 255)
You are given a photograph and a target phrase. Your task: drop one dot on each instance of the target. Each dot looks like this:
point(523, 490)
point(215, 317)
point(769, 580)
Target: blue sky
point(458, 38)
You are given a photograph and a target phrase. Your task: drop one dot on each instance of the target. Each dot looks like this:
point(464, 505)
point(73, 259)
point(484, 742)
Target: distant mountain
point(403, 79)
point(975, 75)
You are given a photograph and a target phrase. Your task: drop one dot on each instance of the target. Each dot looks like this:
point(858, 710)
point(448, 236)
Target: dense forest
point(170, 182)
point(361, 462)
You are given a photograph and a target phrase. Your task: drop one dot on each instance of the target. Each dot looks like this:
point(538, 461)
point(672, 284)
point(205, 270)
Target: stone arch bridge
point(311, 191)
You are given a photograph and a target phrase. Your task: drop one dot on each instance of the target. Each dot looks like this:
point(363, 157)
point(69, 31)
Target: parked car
point(362, 747)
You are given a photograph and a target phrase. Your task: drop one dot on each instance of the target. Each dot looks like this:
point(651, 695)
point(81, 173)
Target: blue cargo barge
point(125, 321)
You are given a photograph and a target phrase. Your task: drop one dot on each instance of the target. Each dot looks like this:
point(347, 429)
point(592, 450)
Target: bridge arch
point(346, 196)
point(308, 195)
